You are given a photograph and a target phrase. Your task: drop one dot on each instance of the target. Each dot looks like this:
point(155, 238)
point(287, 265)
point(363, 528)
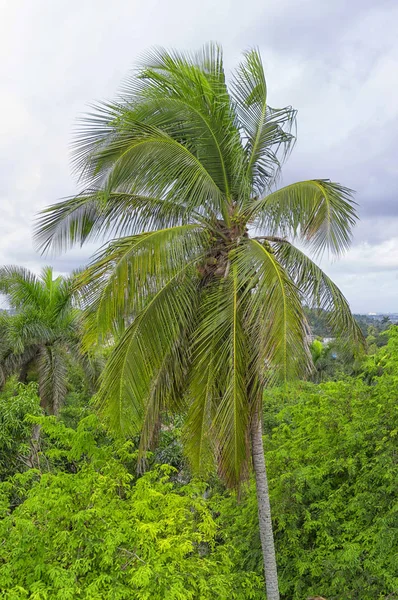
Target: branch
point(132, 554)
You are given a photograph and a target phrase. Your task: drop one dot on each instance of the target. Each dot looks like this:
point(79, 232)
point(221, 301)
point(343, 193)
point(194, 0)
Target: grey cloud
point(375, 230)
point(337, 62)
point(65, 263)
point(318, 30)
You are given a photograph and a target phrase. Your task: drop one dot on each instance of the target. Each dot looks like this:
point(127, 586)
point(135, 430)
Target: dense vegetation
point(332, 357)
point(84, 525)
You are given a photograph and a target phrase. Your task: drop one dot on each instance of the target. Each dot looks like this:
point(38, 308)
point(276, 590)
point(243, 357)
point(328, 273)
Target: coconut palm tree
point(180, 175)
point(43, 335)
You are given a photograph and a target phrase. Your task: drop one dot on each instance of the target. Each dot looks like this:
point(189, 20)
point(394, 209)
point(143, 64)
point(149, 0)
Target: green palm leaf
point(274, 315)
point(44, 333)
point(318, 290)
point(140, 355)
point(97, 214)
point(21, 287)
point(319, 212)
point(218, 418)
point(52, 369)
point(187, 97)
point(128, 272)
point(266, 131)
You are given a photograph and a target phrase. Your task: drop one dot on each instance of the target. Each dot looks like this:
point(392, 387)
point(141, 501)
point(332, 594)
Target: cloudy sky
point(336, 62)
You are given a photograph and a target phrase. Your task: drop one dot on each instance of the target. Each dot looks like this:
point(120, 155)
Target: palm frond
point(171, 376)
point(146, 160)
point(52, 369)
point(64, 300)
point(129, 271)
point(139, 356)
point(97, 214)
point(218, 417)
point(28, 328)
point(205, 382)
point(92, 364)
point(21, 287)
point(187, 97)
point(142, 159)
point(232, 417)
point(274, 315)
point(266, 131)
point(12, 359)
point(49, 284)
point(318, 290)
point(318, 212)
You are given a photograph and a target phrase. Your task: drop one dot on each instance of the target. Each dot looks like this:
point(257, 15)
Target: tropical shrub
point(333, 469)
point(88, 529)
point(17, 401)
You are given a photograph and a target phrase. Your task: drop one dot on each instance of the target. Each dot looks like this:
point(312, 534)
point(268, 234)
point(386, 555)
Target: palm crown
point(43, 334)
point(200, 268)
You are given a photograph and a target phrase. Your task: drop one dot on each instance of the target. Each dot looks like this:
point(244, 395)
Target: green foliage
point(332, 468)
point(17, 401)
point(84, 525)
point(334, 360)
point(374, 326)
point(316, 351)
point(369, 325)
point(336, 507)
point(42, 339)
point(88, 529)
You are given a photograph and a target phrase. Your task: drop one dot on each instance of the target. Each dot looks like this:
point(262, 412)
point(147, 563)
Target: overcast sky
point(336, 62)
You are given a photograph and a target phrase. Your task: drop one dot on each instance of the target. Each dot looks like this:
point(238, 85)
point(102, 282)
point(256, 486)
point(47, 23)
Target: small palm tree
point(180, 171)
point(44, 333)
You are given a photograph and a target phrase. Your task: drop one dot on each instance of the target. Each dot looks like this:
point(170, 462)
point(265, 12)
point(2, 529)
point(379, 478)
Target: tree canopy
point(43, 334)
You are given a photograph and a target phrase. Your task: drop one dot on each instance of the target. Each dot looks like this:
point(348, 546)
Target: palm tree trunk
point(264, 510)
point(23, 373)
